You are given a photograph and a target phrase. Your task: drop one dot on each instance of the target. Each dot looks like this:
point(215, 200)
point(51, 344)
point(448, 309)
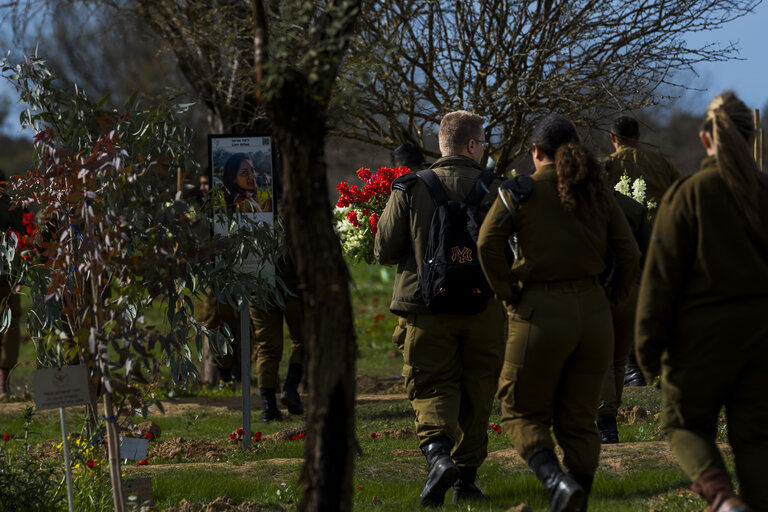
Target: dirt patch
point(622, 457)
point(632, 415)
point(286, 434)
point(407, 453)
point(179, 448)
point(244, 468)
point(220, 504)
point(397, 433)
point(383, 385)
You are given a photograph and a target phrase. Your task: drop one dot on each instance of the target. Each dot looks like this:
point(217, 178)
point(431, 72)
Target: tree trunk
point(300, 131)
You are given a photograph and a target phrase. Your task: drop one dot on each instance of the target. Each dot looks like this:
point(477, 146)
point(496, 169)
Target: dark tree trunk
point(300, 128)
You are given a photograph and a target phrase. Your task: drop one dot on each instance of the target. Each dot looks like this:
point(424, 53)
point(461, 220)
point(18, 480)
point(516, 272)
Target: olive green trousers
point(720, 358)
point(268, 339)
point(451, 369)
point(398, 335)
point(10, 339)
point(623, 342)
point(559, 346)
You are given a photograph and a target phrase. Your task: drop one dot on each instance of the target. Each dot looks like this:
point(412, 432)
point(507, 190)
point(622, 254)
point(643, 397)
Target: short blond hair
point(456, 129)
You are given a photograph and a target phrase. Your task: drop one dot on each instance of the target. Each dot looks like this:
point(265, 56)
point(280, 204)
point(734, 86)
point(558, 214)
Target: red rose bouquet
point(358, 209)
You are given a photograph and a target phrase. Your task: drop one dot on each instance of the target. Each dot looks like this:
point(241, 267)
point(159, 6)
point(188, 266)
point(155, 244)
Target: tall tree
point(514, 62)
point(296, 93)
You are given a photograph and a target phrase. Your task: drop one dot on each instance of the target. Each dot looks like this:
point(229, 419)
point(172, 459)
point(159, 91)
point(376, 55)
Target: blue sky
point(748, 77)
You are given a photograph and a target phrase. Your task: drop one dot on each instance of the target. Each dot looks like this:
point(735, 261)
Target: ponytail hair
point(729, 122)
point(581, 182)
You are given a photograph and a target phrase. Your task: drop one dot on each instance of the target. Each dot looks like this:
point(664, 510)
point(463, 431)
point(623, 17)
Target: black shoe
point(609, 431)
point(565, 494)
point(269, 410)
point(585, 481)
point(633, 376)
point(442, 472)
point(290, 396)
point(464, 489)
point(292, 401)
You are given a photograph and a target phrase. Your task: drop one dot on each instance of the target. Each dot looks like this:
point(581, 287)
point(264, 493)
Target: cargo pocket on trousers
point(507, 384)
point(519, 330)
point(409, 375)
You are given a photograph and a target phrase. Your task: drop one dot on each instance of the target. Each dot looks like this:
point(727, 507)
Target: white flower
point(638, 190)
point(623, 186)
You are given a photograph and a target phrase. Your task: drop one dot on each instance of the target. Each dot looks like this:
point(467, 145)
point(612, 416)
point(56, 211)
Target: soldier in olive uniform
point(410, 156)
point(560, 336)
point(268, 347)
point(451, 362)
point(10, 339)
point(701, 312)
point(637, 161)
point(623, 315)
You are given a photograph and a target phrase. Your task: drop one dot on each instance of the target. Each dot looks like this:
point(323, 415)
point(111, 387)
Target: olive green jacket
point(639, 162)
point(554, 244)
point(706, 265)
point(403, 228)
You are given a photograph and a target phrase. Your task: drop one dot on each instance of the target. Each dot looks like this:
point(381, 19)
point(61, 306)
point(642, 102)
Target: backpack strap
point(481, 188)
point(434, 186)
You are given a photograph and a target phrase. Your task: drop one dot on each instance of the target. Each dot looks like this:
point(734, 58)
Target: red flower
point(496, 428)
point(294, 437)
point(302, 435)
point(148, 435)
point(374, 220)
point(233, 435)
point(142, 462)
point(364, 173)
point(257, 437)
point(361, 488)
point(240, 432)
point(352, 218)
point(374, 435)
point(90, 463)
point(6, 437)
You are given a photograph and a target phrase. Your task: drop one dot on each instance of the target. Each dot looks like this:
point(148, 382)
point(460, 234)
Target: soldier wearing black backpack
point(454, 345)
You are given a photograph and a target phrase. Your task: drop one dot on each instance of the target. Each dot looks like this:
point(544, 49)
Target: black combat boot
point(442, 471)
point(290, 396)
point(609, 431)
point(565, 494)
point(633, 376)
point(269, 410)
point(585, 481)
point(464, 488)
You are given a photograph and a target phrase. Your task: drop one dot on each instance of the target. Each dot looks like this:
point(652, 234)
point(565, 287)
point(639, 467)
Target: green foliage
point(116, 238)
point(30, 482)
point(27, 483)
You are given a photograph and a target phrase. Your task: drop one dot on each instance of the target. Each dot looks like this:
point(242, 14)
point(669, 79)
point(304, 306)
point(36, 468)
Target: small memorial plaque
point(133, 448)
point(60, 387)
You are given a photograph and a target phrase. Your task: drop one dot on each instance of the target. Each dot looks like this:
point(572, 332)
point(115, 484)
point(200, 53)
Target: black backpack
point(451, 279)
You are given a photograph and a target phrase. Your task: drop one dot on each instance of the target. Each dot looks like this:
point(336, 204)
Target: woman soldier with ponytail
point(701, 312)
point(560, 222)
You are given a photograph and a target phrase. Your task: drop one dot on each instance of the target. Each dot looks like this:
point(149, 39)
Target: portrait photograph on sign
point(243, 167)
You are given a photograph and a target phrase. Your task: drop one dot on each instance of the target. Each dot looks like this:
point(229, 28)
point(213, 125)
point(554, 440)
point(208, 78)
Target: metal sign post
point(245, 374)
point(57, 388)
point(67, 464)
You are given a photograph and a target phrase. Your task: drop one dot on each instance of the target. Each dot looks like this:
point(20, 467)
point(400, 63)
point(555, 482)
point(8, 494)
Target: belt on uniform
point(573, 285)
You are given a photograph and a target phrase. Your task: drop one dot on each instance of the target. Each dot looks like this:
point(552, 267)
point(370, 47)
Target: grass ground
point(194, 459)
